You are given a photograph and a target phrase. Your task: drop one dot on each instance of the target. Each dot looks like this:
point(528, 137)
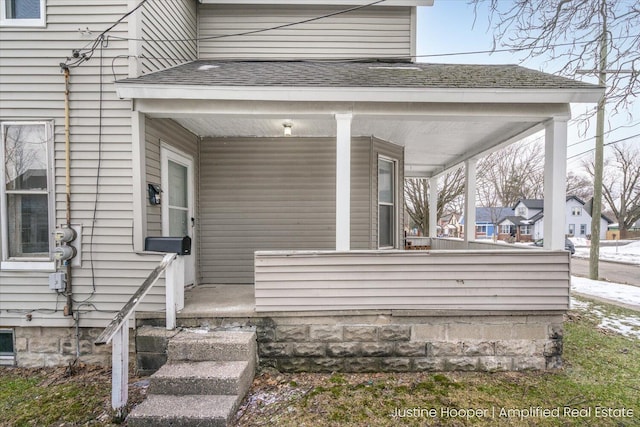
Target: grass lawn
point(602, 369)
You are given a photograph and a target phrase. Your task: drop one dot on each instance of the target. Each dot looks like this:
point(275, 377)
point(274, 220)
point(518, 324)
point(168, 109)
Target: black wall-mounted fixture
point(154, 193)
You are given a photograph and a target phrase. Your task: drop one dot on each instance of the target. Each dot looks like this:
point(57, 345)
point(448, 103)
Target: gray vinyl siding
point(367, 32)
point(32, 88)
point(413, 280)
point(171, 133)
point(394, 152)
point(169, 30)
point(268, 194)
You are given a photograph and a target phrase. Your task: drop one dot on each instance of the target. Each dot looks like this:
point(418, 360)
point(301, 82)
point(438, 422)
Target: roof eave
point(321, 2)
point(357, 94)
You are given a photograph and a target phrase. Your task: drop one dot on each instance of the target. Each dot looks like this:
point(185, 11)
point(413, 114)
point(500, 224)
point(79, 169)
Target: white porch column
point(555, 181)
point(343, 181)
point(433, 207)
point(470, 200)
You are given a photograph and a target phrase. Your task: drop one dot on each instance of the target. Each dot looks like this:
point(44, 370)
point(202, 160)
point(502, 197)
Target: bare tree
point(513, 173)
point(621, 184)
point(592, 37)
point(569, 32)
point(450, 189)
point(579, 186)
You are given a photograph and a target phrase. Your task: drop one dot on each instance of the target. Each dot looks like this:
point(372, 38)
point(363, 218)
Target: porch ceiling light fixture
point(287, 128)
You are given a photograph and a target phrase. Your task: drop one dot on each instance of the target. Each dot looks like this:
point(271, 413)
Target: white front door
point(177, 202)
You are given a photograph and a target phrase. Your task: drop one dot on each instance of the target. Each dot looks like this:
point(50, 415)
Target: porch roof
point(382, 74)
point(443, 114)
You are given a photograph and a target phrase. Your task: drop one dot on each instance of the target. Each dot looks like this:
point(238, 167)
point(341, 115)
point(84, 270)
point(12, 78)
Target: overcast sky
point(448, 27)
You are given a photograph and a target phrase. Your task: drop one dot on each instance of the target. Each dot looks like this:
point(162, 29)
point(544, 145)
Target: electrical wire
point(605, 145)
point(606, 133)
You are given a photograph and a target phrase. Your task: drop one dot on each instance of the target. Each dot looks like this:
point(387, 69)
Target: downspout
point(68, 309)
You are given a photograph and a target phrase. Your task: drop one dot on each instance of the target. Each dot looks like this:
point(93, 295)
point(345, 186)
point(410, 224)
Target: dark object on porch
point(178, 245)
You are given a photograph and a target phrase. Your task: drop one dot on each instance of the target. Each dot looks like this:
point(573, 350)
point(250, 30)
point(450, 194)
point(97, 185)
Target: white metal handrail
point(117, 331)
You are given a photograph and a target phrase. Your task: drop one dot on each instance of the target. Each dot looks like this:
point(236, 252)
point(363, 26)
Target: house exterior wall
point(32, 88)
point(583, 219)
point(279, 193)
point(364, 33)
point(528, 213)
point(169, 28)
point(159, 131)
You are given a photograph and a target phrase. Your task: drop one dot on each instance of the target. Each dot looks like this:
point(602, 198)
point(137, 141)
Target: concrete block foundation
point(342, 342)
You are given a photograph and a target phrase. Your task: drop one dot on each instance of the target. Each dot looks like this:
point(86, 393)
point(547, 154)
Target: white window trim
point(30, 263)
point(9, 22)
point(394, 185)
point(168, 152)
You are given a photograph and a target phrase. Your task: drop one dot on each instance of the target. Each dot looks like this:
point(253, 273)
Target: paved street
point(609, 271)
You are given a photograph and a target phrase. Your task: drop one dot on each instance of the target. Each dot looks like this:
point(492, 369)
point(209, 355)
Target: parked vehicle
point(568, 245)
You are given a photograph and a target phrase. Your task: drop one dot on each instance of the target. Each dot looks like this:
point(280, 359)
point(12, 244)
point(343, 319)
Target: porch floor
point(219, 300)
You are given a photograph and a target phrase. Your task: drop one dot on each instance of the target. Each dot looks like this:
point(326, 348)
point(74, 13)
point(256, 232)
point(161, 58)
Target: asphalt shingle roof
point(532, 203)
point(491, 214)
point(356, 74)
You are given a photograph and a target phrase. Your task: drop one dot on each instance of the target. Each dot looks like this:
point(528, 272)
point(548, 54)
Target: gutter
point(357, 94)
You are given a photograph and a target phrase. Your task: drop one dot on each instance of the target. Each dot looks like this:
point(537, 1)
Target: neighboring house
point(528, 222)
point(449, 225)
point(282, 155)
point(487, 220)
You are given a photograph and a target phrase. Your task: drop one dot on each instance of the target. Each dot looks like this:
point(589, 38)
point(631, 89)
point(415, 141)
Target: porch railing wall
point(494, 280)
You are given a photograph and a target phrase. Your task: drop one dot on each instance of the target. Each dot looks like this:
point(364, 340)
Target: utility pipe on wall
point(68, 309)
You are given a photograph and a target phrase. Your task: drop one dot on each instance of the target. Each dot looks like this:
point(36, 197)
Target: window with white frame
point(505, 229)
point(572, 229)
point(386, 203)
point(521, 211)
point(482, 229)
point(23, 13)
point(583, 229)
point(576, 211)
point(26, 201)
point(525, 229)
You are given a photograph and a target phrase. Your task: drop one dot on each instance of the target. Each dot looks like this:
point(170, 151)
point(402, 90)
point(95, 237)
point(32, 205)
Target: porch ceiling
point(431, 146)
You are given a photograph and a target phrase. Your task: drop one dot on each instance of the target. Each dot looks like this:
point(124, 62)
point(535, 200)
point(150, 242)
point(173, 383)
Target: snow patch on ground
point(629, 252)
point(625, 294)
point(628, 326)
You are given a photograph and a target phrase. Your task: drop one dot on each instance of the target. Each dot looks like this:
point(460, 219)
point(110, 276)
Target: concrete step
point(151, 348)
point(214, 345)
point(210, 377)
point(184, 411)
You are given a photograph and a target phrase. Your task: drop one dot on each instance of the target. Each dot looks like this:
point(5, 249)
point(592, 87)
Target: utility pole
point(596, 209)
